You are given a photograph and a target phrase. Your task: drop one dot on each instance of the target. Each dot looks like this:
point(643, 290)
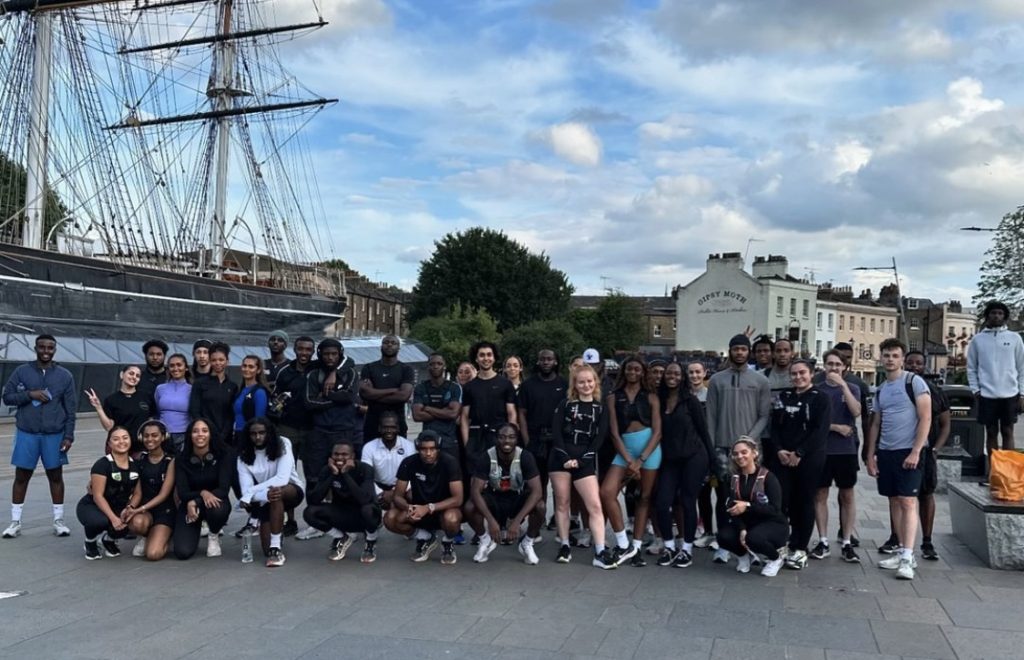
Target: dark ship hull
point(78, 296)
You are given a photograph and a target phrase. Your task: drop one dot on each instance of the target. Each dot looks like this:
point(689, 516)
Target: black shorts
point(164, 515)
point(840, 469)
point(587, 467)
point(430, 522)
point(894, 480)
point(261, 510)
point(998, 412)
point(930, 479)
point(504, 506)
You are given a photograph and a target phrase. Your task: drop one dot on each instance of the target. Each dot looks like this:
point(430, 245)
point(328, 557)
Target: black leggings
point(95, 521)
point(799, 488)
point(764, 538)
point(349, 518)
point(186, 535)
point(683, 477)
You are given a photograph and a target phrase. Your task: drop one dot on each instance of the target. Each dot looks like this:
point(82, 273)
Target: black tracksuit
point(353, 506)
point(685, 451)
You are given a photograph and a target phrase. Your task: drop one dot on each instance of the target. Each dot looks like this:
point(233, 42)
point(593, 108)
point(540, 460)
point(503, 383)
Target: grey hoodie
point(739, 403)
point(995, 363)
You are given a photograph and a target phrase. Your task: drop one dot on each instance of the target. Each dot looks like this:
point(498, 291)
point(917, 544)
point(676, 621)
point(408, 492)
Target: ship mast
point(39, 117)
point(220, 91)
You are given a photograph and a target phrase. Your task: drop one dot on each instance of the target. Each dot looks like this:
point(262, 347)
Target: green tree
point(1002, 274)
point(13, 179)
point(485, 269)
point(556, 334)
point(616, 324)
point(452, 334)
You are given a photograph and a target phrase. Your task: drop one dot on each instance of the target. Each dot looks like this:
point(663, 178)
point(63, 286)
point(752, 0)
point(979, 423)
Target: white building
point(824, 329)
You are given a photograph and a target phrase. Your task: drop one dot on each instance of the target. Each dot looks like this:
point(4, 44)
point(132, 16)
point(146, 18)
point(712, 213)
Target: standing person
point(513, 370)
point(696, 380)
point(797, 452)
point(995, 373)
point(938, 434)
point(428, 498)
point(739, 403)
point(128, 406)
point(152, 519)
point(763, 349)
point(465, 373)
point(537, 400)
point(212, 398)
point(155, 373)
point(172, 399)
point(201, 359)
point(277, 343)
point(436, 402)
point(202, 479)
point(269, 482)
point(114, 490)
point(655, 372)
point(580, 428)
point(755, 522)
point(634, 424)
point(687, 449)
point(897, 436)
point(841, 464)
point(385, 454)
point(488, 401)
point(330, 400)
point(253, 396)
point(44, 429)
point(386, 385)
point(288, 408)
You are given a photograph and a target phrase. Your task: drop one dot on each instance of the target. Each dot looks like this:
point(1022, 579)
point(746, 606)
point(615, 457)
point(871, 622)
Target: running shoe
point(140, 548)
point(905, 571)
point(743, 563)
point(771, 569)
point(704, 540)
point(110, 546)
point(605, 560)
point(928, 552)
point(583, 541)
point(721, 556)
point(92, 550)
point(247, 527)
point(564, 554)
point(448, 553)
point(484, 551)
point(890, 547)
point(892, 563)
point(537, 540)
point(796, 560)
point(526, 550)
point(308, 534)
point(339, 547)
point(423, 549)
point(460, 539)
point(666, 557)
point(638, 560)
point(622, 555)
point(682, 559)
point(59, 528)
point(14, 529)
point(369, 552)
point(552, 526)
point(213, 546)
point(204, 530)
point(656, 547)
point(854, 541)
point(275, 558)
point(849, 554)
point(820, 551)
point(291, 528)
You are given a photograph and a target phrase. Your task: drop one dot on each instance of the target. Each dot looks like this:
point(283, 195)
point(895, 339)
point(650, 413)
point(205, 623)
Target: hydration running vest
point(514, 482)
point(757, 489)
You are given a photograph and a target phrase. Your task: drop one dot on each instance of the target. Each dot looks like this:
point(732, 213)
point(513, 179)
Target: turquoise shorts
point(635, 443)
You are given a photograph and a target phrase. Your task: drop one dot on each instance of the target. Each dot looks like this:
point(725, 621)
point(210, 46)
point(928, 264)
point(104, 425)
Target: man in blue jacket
point(44, 395)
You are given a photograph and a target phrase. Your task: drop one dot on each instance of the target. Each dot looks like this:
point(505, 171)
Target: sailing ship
point(141, 143)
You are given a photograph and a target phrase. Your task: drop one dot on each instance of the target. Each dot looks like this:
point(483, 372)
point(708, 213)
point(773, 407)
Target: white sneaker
point(213, 546)
point(59, 528)
point(14, 529)
point(721, 556)
point(704, 540)
point(204, 530)
point(309, 533)
point(140, 548)
point(796, 560)
point(906, 569)
point(485, 550)
point(771, 569)
point(892, 562)
point(743, 564)
point(526, 550)
point(537, 540)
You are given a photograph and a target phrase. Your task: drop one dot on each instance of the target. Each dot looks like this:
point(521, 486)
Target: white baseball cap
point(591, 356)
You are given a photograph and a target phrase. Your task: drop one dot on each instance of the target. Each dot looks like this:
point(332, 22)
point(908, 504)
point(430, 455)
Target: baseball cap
point(591, 356)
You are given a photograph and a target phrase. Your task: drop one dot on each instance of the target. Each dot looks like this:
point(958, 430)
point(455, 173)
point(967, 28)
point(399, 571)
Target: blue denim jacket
point(56, 415)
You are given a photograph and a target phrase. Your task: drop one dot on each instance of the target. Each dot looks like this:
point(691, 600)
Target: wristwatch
point(430, 507)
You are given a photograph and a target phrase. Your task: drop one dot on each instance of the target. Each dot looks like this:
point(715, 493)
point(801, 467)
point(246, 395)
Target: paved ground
point(310, 608)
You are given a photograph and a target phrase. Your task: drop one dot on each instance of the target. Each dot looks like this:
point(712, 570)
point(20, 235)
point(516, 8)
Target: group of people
point(765, 437)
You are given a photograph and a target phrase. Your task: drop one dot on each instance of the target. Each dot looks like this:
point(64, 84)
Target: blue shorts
point(894, 480)
point(30, 447)
point(635, 443)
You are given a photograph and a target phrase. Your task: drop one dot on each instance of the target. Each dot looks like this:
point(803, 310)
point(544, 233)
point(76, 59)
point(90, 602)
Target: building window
point(817, 348)
point(860, 351)
point(805, 340)
point(841, 317)
point(914, 346)
point(819, 320)
point(872, 325)
point(778, 306)
point(890, 327)
point(862, 323)
point(829, 345)
point(915, 324)
point(792, 306)
point(807, 311)
point(657, 330)
point(778, 333)
point(952, 331)
point(830, 320)
point(673, 325)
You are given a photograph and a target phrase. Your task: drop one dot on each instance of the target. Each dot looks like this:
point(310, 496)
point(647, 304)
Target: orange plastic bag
point(1007, 476)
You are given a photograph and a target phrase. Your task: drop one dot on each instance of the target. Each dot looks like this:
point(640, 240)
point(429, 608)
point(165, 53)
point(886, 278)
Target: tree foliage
point(452, 334)
point(13, 179)
point(484, 269)
point(526, 340)
point(616, 324)
point(1002, 274)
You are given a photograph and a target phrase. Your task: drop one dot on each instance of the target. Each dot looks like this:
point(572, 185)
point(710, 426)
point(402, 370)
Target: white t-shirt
point(385, 461)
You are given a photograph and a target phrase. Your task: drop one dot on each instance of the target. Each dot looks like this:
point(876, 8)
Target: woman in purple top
point(172, 401)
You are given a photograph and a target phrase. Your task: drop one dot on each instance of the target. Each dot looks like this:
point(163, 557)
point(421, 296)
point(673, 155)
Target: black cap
point(740, 340)
point(202, 343)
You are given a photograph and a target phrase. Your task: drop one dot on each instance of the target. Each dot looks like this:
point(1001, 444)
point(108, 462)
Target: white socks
point(16, 510)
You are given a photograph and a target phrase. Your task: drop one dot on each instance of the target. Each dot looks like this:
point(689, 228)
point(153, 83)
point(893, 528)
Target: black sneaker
point(564, 554)
point(928, 552)
point(666, 557)
point(252, 529)
point(339, 547)
point(291, 528)
point(849, 554)
point(820, 551)
point(448, 553)
point(622, 555)
point(369, 552)
point(92, 550)
point(110, 546)
point(423, 549)
point(682, 559)
point(604, 560)
point(551, 524)
point(890, 547)
point(638, 560)
point(854, 541)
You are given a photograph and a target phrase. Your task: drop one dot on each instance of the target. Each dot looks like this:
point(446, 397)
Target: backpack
point(937, 398)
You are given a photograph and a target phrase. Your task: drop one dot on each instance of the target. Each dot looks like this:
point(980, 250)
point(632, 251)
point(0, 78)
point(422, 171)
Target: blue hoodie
point(56, 415)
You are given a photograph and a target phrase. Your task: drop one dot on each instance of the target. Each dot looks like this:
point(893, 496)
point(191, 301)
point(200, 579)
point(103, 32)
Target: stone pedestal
point(993, 530)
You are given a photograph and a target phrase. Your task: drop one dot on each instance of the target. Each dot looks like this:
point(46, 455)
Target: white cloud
point(674, 127)
point(575, 142)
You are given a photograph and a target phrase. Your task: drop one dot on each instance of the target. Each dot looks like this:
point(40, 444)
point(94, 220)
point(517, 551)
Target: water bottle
point(247, 547)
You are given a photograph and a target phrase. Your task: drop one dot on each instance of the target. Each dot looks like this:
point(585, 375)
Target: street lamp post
point(899, 296)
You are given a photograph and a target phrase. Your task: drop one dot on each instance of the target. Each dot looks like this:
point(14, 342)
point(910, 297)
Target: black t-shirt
point(153, 476)
point(271, 369)
point(438, 397)
point(487, 400)
point(539, 398)
point(384, 377)
point(148, 382)
point(429, 483)
point(482, 469)
point(120, 482)
point(130, 411)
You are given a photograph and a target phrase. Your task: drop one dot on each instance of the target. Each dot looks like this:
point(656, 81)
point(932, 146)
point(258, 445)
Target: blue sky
point(630, 139)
